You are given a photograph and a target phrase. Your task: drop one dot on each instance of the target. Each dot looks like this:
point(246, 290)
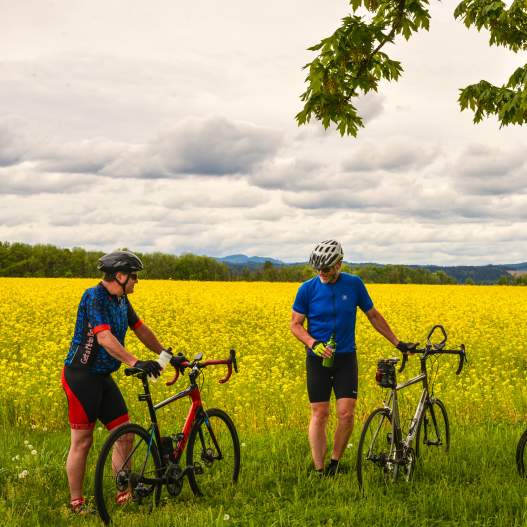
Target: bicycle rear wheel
point(433, 430)
point(520, 454)
point(376, 453)
point(214, 451)
point(128, 472)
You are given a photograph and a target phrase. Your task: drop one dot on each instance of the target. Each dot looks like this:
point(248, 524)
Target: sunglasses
point(133, 276)
point(325, 270)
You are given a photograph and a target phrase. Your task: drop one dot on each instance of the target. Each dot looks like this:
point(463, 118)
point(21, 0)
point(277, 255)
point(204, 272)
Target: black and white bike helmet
point(326, 254)
point(124, 261)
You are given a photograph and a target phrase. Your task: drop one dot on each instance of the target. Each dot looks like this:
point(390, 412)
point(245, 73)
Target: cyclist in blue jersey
point(329, 303)
point(96, 351)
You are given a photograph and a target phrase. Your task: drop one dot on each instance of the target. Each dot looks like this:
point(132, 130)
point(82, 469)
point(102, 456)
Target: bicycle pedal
point(198, 469)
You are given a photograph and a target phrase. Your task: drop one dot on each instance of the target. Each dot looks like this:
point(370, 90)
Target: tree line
point(513, 280)
point(23, 260)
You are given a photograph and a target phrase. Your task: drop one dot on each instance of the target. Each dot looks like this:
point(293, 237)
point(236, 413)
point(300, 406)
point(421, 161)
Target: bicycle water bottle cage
point(167, 447)
point(385, 375)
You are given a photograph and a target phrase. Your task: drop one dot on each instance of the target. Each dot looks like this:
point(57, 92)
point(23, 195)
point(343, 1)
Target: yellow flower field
point(37, 317)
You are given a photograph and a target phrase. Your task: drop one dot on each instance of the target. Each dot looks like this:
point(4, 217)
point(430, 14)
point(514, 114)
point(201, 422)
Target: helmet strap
point(123, 284)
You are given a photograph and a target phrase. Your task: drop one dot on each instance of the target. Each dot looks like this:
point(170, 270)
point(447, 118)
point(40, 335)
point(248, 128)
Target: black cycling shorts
point(91, 397)
point(343, 377)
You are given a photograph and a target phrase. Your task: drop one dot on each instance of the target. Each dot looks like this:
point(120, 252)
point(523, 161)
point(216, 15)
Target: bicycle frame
point(196, 410)
point(394, 408)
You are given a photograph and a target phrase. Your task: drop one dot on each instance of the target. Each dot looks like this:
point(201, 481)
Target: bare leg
point(317, 432)
point(345, 420)
point(121, 450)
point(81, 442)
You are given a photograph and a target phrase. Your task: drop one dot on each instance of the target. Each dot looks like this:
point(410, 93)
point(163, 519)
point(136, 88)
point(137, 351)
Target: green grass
point(476, 484)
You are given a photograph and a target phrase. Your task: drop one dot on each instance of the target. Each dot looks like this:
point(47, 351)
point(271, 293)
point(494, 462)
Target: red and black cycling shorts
point(342, 378)
point(91, 397)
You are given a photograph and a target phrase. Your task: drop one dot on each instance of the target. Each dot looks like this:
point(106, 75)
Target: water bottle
point(332, 345)
point(164, 360)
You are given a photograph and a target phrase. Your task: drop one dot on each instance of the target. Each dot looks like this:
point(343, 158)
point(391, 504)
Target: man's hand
point(319, 348)
point(407, 347)
point(177, 360)
point(150, 367)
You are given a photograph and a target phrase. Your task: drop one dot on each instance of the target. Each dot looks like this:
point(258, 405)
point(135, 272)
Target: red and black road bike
point(135, 462)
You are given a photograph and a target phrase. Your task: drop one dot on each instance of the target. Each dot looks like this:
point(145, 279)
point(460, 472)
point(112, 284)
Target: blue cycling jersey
point(99, 311)
point(332, 308)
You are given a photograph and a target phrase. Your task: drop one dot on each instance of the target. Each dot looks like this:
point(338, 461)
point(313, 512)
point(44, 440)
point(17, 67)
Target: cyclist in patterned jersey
point(96, 351)
point(329, 302)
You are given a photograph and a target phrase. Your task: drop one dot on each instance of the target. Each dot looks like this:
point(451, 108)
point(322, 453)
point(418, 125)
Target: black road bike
point(384, 452)
point(136, 462)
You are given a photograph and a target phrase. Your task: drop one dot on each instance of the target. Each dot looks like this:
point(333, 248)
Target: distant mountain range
point(250, 261)
point(479, 274)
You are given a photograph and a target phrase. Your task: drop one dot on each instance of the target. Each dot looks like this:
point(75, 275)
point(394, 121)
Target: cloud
point(484, 171)
point(82, 157)
point(390, 155)
point(205, 193)
point(13, 140)
point(195, 146)
point(289, 174)
point(215, 146)
point(370, 106)
point(24, 179)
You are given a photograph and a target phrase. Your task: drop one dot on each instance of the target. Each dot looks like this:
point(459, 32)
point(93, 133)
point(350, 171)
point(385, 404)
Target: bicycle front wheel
point(128, 473)
point(520, 454)
point(214, 452)
point(376, 453)
point(433, 430)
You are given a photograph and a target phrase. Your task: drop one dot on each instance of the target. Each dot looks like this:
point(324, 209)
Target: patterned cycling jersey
point(99, 311)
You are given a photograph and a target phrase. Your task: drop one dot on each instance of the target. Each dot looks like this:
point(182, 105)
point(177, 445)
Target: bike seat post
point(147, 397)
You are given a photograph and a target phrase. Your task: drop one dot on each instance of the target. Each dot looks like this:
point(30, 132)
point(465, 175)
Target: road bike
point(384, 451)
point(136, 462)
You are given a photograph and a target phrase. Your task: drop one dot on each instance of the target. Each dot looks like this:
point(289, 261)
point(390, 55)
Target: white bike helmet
point(326, 254)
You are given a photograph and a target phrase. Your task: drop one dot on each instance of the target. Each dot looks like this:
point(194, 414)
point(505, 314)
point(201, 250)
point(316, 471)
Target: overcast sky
point(169, 126)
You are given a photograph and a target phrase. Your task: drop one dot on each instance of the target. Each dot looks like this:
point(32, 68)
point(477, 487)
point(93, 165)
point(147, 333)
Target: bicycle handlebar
point(230, 363)
point(437, 349)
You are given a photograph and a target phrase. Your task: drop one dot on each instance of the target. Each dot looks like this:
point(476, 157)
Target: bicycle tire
point(434, 422)
point(520, 453)
point(112, 476)
point(376, 451)
point(209, 433)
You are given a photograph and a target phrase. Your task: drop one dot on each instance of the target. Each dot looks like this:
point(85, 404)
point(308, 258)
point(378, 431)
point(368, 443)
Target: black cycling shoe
point(333, 468)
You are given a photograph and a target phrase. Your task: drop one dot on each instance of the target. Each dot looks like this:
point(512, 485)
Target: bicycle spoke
point(128, 473)
point(214, 450)
point(376, 453)
point(433, 432)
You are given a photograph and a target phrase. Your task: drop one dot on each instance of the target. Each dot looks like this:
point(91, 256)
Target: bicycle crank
point(174, 479)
